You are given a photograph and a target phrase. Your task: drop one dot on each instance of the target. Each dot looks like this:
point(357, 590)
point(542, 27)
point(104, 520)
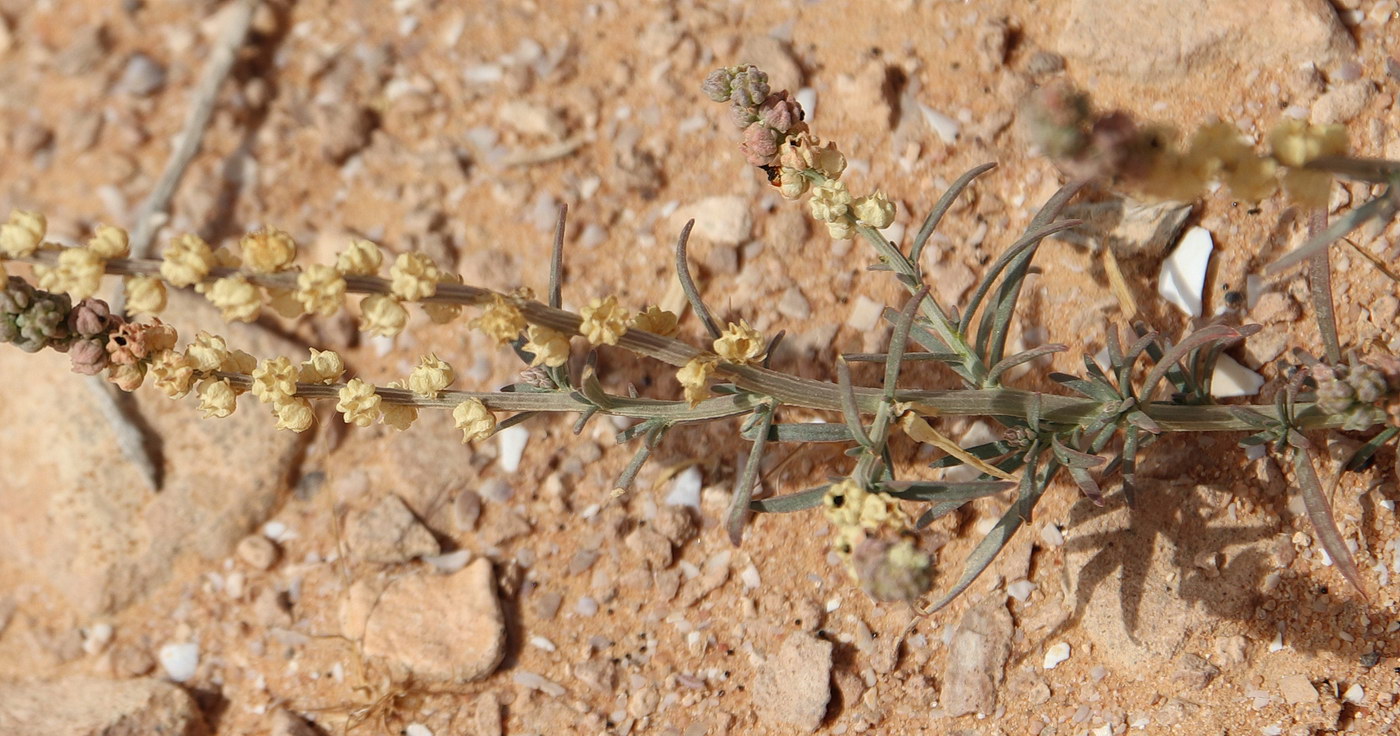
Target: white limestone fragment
point(1182, 280)
point(1232, 379)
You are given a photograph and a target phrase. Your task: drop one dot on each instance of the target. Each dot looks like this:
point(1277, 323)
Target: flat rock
point(440, 627)
point(1150, 40)
point(82, 519)
point(722, 220)
point(85, 706)
point(389, 533)
point(977, 658)
point(795, 687)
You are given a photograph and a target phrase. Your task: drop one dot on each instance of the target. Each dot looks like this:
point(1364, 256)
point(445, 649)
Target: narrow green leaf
point(941, 207)
point(800, 501)
point(925, 490)
point(991, 545)
point(556, 261)
point(913, 357)
point(804, 433)
point(994, 375)
point(1320, 514)
point(937, 512)
point(739, 506)
point(692, 293)
point(849, 410)
point(898, 340)
point(1364, 453)
point(1320, 288)
point(1383, 207)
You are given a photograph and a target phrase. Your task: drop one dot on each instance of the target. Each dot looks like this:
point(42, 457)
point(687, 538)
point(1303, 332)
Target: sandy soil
point(456, 129)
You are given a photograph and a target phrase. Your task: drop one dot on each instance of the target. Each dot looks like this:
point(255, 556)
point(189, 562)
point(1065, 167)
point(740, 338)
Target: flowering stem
point(754, 381)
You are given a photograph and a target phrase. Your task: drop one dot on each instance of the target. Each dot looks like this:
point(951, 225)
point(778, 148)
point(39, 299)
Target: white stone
point(685, 488)
point(1354, 694)
point(417, 729)
point(450, 562)
point(1056, 655)
point(1232, 379)
point(1182, 280)
point(865, 314)
point(946, 127)
point(512, 441)
point(179, 660)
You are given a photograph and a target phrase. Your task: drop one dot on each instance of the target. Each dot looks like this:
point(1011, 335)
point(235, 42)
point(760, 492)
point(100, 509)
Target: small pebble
point(512, 442)
point(179, 660)
point(537, 682)
point(685, 489)
point(1056, 655)
point(417, 729)
point(586, 606)
point(142, 76)
point(258, 551)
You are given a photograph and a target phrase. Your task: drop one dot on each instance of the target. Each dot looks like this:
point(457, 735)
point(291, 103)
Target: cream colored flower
point(79, 273)
point(110, 242)
point(875, 210)
point(217, 399)
point(284, 302)
point(830, 201)
point(239, 300)
point(127, 376)
point(550, 347)
point(359, 403)
point(207, 353)
point(443, 312)
point(238, 361)
point(431, 376)
point(414, 277)
point(657, 321)
point(842, 229)
point(791, 183)
point(740, 344)
point(501, 320)
point(268, 250)
point(362, 258)
point(398, 416)
point(294, 414)
point(172, 373)
point(474, 419)
point(694, 377)
point(21, 236)
point(145, 295)
point(186, 260)
point(320, 289)
point(46, 278)
point(382, 315)
point(227, 258)
point(275, 380)
point(324, 366)
point(604, 321)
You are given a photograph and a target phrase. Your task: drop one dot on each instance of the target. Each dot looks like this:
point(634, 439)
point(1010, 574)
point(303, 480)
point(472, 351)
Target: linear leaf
point(739, 506)
point(814, 432)
point(1320, 513)
point(800, 501)
point(692, 293)
point(1382, 207)
point(924, 490)
point(1001, 534)
point(941, 207)
point(1199, 338)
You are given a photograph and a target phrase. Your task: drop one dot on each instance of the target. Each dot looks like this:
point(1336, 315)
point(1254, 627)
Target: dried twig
point(129, 435)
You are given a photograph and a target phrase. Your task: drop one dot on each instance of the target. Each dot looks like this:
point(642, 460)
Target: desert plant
point(1093, 434)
